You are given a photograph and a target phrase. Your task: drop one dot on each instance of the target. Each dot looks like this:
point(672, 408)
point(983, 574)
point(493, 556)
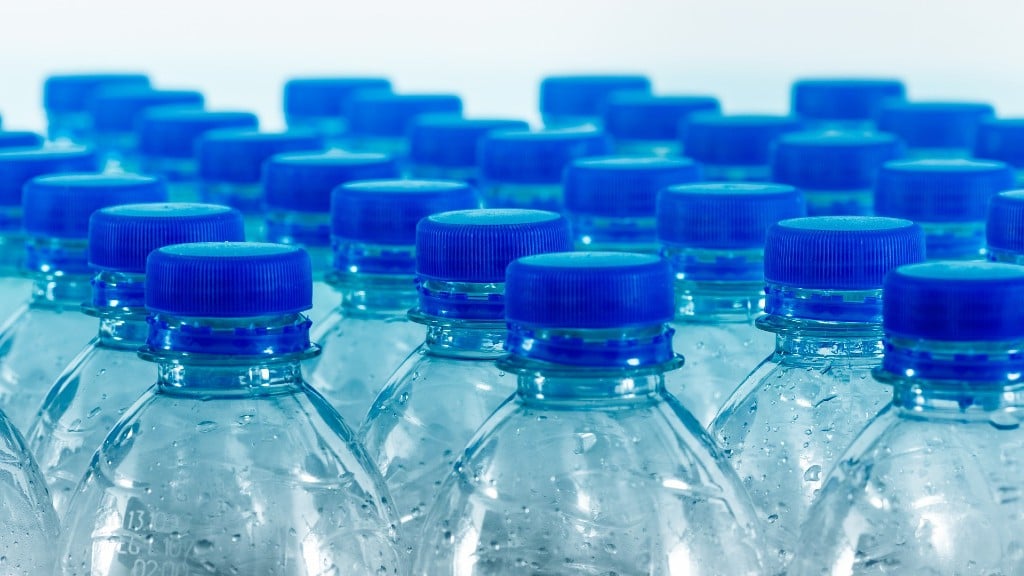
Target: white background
point(493, 53)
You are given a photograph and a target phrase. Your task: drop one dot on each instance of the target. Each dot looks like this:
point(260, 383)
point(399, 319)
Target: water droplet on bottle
point(813, 474)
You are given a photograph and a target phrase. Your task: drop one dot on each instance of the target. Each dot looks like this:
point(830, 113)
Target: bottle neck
point(954, 240)
point(638, 350)
point(445, 302)
point(809, 339)
point(259, 377)
point(246, 197)
point(627, 234)
point(55, 259)
point(823, 306)
point(1008, 256)
point(467, 340)
point(364, 294)
point(719, 302)
point(355, 259)
point(308, 229)
point(706, 265)
point(587, 388)
point(228, 341)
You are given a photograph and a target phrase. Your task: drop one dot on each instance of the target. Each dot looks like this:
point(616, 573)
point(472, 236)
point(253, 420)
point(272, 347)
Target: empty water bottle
point(447, 146)
point(648, 125)
point(115, 110)
point(1004, 230)
point(735, 147)
point(571, 100)
point(66, 99)
point(843, 103)
point(231, 463)
point(321, 104)
point(934, 129)
point(379, 120)
point(1002, 139)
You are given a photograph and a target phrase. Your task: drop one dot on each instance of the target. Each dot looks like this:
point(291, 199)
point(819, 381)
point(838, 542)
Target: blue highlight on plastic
point(1001, 139)
point(19, 166)
point(449, 142)
point(1004, 228)
point(59, 206)
point(379, 114)
point(173, 132)
point(847, 102)
point(538, 156)
point(313, 99)
point(636, 119)
point(567, 99)
point(115, 110)
point(237, 156)
point(932, 128)
point(735, 147)
point(19, 139)
point(302, 181)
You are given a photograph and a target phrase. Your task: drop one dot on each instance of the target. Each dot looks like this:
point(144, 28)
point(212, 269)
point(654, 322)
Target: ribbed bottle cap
point(116, 109)
point(19, 166)
point(478, 245)
point(955, 301)
point(934, 124)
point(302, 181)
point(1005, 227)
point(840, 252)
point(1001, 139)
point(453, 141)
point(537, 157)
point(228, 280)
point(735, 140)
point(318, 97)
point(20, 139)
point(623, 186)
point(387, 211)
point(844, 98)
point(722, 216)
point(72, 92)
point(60, 205)
point(238, 155)
point(583, 95)
point(833, 160)
point(584, 290)
point(173, 132)
point(121, 237)
point(637, 116)
point(940, 190)
point(388, 115)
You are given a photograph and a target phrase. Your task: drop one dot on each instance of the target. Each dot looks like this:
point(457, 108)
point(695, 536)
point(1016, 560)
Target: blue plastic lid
point(1001, 139)
point(72, 92)
point(934, 124)
point(60, 205)
point(238, 155)
point(387, 115)
point(1004, 229)
point(586, 95)
point(723, 216)
point(844, 98)
point(302, 181)
point(387, 211)
point(833, 160)
point(637, 116)
point(840, 252)
point(229, 280)
point(539, 156)
point(121, 237)
point(116, 109)
point(623, 186)
point(735, 140)
point(452, 141)
point(20, 139)
point(173, 132)
point(318, 97)
point(940, 190)
point(19, 166)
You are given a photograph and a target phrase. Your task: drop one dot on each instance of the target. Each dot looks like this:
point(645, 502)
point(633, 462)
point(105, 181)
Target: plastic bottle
point(107, 376)
point(948, 198)
point(591, 467)
point(30, 527)
point(934, 129)
point(446, 146)
point(40, 339)
point(788, 423)
point(835, 170)
point(648, 125)
point(843, 103)
point(571, 100)
point(930, 485)
point(321, 104)
point(1004, 229)
point(379, 121)
point(368, 335)
point(713, 236)
point(66, 99)
point(231, 463)
point(1002, 139)
point(20, 139)
point(297, 199)
point(611, 201)
point(524, 168)
point(735, 148)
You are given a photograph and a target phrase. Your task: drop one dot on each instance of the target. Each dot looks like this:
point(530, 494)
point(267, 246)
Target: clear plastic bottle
point(297, 200)
point(843, 103)
point(835, 170)
point(948, 197)
point(1004, 229)
point(934, 129)
point(572, 100)
point(591, 467)
point(107, 376)
point(713, 236)
point(19, 139)
point(40, 339)
point(648, 125)
point(788, 423)
point(380, 120)
point(66, 100)
point(523, 168)
point(231, 463)
point(444, 391)
point(930, 486)
point(611, 200)
point(735, 148)
point(1002, 139)
point(446, 146)
point(368, 335)
point(321, 104)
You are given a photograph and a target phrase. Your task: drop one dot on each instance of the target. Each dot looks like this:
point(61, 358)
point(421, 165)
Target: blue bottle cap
point(20, 139)
point(452, 141)
point(173, 132)
point(940, 190)
point(623, 186)
point(724, 215)
point(539, 156)
point(379, 114)
point(387, 211)
point(19, 166)
point(833, 160)
point(1001, 139)
point(735, 140)
point(302, 181)
point(1005, 227)
point(72, 92)
point(116, 109)
point(637, 116)
point(238, 155)
point(60, 205)
point(934, 124)
point(583, 95)
point(318, 97)
point(121, 237)
point(228, 280)
point(844, 98)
